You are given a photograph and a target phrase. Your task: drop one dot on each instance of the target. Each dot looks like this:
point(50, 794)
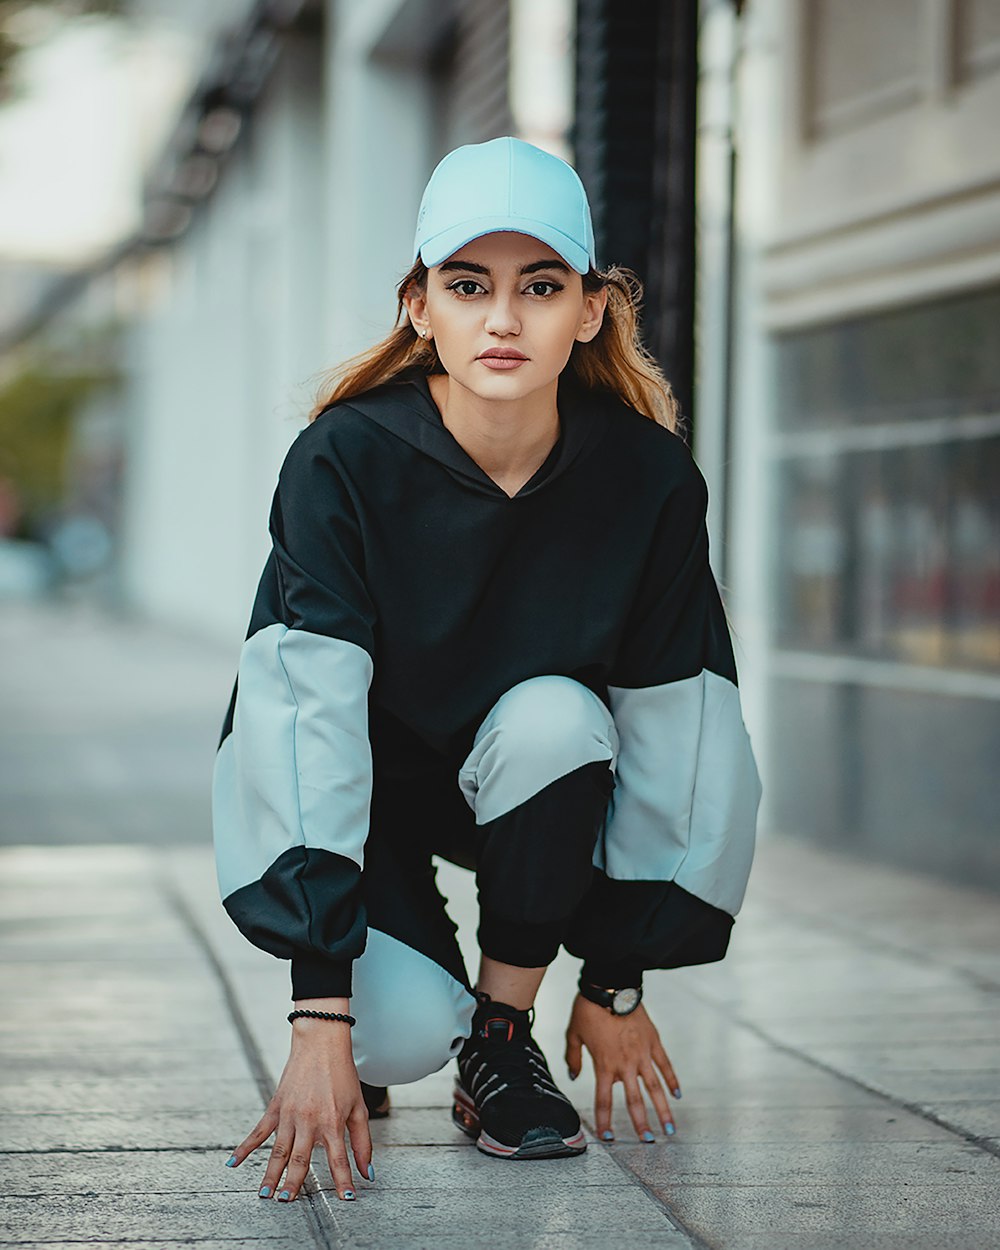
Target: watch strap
point(594, 994)
point(606, 997)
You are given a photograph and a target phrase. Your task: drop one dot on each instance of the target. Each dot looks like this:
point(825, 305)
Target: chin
point(513, 385)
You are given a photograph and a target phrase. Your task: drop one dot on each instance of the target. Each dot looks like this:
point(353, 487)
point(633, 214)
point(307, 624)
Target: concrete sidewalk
point(840, 1068)
point(840, 1075)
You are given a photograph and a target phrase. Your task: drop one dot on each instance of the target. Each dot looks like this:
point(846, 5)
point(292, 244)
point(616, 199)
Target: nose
point(501, 317)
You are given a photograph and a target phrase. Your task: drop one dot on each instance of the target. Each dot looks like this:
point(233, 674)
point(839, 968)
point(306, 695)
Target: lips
point(501, 358)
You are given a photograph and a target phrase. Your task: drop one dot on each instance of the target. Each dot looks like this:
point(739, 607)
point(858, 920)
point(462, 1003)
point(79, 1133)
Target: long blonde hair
point(615, 359)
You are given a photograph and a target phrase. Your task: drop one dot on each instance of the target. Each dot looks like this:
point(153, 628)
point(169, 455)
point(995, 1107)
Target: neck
point(508, 438)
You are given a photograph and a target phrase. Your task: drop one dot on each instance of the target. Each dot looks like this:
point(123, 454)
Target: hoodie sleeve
point(673, 859)
point(291, 789)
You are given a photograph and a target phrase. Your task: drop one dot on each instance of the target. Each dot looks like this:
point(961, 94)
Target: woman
point(488, 630)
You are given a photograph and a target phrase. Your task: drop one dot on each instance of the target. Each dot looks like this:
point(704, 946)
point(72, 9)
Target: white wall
point(289, 268)
point(221, 367)
point(888, 182)
point(378, 127)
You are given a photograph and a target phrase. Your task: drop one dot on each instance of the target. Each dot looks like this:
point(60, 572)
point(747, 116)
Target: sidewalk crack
point(316, 1204)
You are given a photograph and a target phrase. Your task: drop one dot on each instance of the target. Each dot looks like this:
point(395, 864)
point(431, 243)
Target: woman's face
point(506, 292)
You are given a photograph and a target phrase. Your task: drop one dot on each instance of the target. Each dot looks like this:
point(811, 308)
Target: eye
point(464, 282)
point(556, 286)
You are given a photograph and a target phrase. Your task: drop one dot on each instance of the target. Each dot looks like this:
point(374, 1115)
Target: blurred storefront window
point(889, 513)
point(886, 578)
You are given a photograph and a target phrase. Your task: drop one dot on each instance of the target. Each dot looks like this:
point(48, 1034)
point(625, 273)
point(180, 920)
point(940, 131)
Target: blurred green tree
point(37, 406)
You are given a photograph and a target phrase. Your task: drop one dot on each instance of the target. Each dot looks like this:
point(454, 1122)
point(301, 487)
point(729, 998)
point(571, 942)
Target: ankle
point(506, 983)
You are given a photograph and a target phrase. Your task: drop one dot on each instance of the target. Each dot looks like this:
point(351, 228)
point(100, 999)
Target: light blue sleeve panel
point(684, 808)
point(687, 790)
point(296, 770)
point(292, 785)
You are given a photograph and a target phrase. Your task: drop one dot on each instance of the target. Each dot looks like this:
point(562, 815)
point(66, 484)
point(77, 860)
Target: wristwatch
point(618, 1002)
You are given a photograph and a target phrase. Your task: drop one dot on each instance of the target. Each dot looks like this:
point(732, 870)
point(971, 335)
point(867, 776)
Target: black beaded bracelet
point(323, 1015)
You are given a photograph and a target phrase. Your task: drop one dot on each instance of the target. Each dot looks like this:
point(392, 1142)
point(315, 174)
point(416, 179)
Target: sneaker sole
point(539, 1143)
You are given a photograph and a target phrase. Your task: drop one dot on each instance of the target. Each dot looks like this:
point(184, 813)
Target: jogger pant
point(524, 810)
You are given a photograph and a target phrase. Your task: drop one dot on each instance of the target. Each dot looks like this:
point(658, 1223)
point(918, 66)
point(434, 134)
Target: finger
point(662, 1061)
point(261, 1131)
point(361, 1140)
point(651, 1079)
point(280, 1153)
point(637, 1107)
point(340, 1168)
point(574, 1054)
point(602, 1107)
point(298, 1164)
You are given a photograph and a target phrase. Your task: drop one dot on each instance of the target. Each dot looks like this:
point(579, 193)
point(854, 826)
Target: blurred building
point(810, 190)
point(867, 397)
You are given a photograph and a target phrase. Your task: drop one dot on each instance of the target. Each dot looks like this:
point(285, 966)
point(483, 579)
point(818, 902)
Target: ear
point(416, 308)
point(592, 318)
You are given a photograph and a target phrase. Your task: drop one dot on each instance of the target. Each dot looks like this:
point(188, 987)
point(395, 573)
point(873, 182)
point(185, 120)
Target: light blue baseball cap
point(504, 184)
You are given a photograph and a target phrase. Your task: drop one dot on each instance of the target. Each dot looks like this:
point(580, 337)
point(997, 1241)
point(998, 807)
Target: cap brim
point(434, 251)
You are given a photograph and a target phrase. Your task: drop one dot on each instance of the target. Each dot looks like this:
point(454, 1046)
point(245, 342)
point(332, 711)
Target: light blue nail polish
point(371, 1171)
point(572, 1075)
point(231, 1161)
point(648, 1136)
point(669, 1128)
point(677, 1092)
point(607, 1135)
point(348, 1195)
point(284, 1196)
point(264, 1191)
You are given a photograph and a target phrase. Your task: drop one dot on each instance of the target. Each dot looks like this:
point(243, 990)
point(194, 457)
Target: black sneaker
point(504, 1093)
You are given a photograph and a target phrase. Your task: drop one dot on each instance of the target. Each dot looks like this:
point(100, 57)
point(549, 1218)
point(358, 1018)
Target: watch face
point(625, 1001)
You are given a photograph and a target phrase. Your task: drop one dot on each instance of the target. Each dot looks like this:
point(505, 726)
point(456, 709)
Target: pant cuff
point(514, 942)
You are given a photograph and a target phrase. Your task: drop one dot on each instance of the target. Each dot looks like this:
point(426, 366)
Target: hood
point(406, 407)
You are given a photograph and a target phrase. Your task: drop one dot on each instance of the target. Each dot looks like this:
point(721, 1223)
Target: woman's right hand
point(318, 1096)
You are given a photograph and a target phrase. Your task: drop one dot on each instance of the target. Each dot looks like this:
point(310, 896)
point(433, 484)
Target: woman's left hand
point(623, 1048)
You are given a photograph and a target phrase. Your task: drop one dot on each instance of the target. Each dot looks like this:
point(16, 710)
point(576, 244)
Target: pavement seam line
point(987, 1145)
point(113, 1150)
point(255, 1060)
point(696, 1240)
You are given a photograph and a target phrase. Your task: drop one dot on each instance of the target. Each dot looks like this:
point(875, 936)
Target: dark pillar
point(634, 146)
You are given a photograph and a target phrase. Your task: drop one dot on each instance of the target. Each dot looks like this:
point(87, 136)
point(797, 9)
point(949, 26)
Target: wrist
point(313, 1030)
point(619, 1000)
point(343, 1005)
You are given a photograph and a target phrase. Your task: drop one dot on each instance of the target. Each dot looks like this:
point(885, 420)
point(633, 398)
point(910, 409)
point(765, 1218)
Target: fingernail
point(264, 1191)
point(677, 1092)
point(607, 1135)
point(231, 1161)
point(572, 1075)
point(284, 1196)
point(371, 1171)
point(669, 1128)
point(648, 1136)
point(348, 1195)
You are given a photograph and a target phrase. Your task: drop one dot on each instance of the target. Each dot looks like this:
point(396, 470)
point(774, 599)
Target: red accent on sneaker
point(507, 1026)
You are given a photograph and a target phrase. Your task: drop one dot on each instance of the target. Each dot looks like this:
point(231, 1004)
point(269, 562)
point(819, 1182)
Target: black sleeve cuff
point(316, 977)
point(615, 975)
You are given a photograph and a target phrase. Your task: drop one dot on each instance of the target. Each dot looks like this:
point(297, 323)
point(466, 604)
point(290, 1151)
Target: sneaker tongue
point(498, 1029)
point(500, 1023)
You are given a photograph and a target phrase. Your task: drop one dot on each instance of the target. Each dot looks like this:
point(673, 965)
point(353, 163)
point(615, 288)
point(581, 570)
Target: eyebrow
point(470, 266)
